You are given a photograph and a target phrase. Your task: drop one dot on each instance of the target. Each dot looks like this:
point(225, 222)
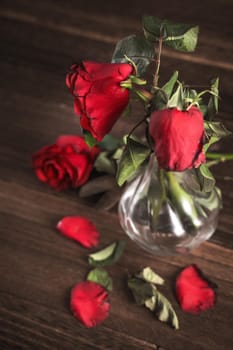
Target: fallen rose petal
point(194, 292)
point(79, 229)
point(89, 303)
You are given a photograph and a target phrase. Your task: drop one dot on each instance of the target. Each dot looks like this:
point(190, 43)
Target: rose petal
point(98, 71)
point(76, 141)
point(194, 292)
point(79, 229)
point(89, 303)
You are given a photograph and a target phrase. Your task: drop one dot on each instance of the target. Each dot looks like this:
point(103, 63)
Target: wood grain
point(38, 267)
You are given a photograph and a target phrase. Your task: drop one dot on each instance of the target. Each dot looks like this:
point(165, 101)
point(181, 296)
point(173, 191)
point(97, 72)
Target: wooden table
point(38, 267)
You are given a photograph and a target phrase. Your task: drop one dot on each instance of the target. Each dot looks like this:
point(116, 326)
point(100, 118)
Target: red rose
point(89, 303)
point(67, 163)
point(79, 229)
point(178, 138)
point(99, 97)
point(194, 292)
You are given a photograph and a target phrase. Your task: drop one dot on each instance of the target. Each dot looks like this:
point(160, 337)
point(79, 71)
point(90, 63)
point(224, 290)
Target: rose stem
point(182, 201)
point(156, 76)
point(222, 157)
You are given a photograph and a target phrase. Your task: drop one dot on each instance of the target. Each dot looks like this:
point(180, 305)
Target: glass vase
point(166, 212)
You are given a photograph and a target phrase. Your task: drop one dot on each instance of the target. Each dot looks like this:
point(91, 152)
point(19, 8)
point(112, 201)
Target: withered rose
point(178, 138)
point(99, 98)
point(89, 303)
point(67, 163)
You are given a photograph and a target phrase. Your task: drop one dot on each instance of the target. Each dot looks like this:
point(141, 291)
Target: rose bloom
point(67, 163)
point(178, 138)
point(99, 98)
point(89, 303)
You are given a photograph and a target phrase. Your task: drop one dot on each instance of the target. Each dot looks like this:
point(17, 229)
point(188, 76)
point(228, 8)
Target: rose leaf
point(104, 163)
point(214, 132)
point(134, 155)
point(109, 143)
point(140, 289)
point(148, 275)
point(101, 277)
point(108, 255)
point(206, 178)
point(212, 108)
point(163, 309)
point(137, 49)
point(181, 37)
point(169, 86)
point(89, 139)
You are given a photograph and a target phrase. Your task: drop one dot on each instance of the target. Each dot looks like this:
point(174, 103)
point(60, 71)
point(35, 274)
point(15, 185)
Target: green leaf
point(163, 309)
point(206, 178)
point(134, 155)
point(138, 49)
point(89, 139)
point(169, 86)
point(212, 140)
point(191, 97)
point(117, 154)
point(105, 164)
point(101, 277)
point(203, 109)
point(186, 42)
point(109, 143)
point(140, 289)
point(97, 185)
point(214, 132)
point(108, 255)
point(216, 129)
point(177, 99)
point(145, 293)
point(181, 37)
point(162, 96)
point(160, 100)
point(212, 108)
point(148, 275)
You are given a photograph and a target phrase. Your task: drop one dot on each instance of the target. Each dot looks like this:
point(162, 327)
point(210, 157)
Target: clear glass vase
point(166, 213)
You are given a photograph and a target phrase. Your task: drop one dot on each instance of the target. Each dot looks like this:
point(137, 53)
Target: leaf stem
point(136, 126)
point(221, 157)
point(217, 158)
point(162, 182)
point(224, 178)
point(156, 206)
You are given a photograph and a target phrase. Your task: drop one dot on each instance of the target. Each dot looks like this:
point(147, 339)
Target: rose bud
point(178, 138)
point(99, 98)
point(67, 163)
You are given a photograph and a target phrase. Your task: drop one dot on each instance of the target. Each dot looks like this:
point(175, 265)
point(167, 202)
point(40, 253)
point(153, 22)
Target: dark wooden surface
point(39, 41)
